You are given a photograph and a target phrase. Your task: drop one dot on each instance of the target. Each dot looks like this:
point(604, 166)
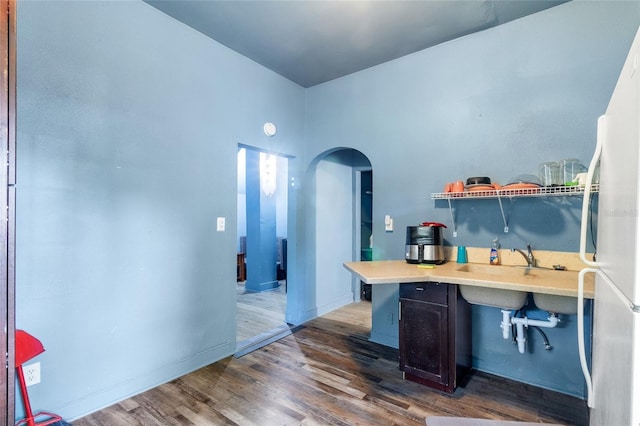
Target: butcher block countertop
point(510, 277)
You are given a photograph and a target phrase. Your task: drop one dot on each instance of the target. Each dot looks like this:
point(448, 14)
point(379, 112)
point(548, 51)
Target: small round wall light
point(269, 129)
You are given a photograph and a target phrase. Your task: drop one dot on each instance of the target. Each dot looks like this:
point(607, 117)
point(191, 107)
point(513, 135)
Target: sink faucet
point(531, 261)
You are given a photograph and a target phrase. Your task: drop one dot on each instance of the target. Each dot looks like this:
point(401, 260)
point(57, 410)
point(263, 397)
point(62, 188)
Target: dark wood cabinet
point(435, 334)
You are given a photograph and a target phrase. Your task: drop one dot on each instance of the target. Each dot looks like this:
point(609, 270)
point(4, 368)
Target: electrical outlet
point(220, 224)
point(31, 373)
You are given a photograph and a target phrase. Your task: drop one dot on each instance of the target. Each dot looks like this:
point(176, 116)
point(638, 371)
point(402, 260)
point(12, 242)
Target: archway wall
point(325, 218)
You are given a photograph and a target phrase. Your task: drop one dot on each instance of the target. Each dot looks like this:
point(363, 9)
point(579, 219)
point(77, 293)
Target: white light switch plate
point(388, 223)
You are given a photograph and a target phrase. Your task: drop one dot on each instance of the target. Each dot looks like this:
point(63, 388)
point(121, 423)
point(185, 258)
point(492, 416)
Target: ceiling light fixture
point(269, 129)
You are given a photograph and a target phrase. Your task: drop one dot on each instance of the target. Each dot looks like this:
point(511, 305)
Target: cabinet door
point(424, 344)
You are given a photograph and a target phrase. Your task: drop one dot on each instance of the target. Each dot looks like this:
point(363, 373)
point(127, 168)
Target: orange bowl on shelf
point(521, 186)
point(479, 188)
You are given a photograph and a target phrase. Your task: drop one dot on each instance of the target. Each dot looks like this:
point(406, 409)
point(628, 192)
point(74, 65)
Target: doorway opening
point(342, 226)
point(365, 217)
point(261, 284)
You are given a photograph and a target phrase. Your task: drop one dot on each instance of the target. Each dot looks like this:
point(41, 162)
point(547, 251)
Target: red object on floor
point(28, 347)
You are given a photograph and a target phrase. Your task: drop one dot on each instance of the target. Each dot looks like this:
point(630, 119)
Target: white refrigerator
point(614, 380)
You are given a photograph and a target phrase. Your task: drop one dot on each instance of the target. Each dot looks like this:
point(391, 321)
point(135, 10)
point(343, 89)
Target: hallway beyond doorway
point(259, 313)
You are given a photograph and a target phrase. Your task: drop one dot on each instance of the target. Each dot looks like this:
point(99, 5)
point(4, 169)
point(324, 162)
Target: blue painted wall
point(557, 369)
point(128, 131)
point(128, 128)
point(496, 103)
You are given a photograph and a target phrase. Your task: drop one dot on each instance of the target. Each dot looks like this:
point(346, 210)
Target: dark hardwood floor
point(328, 373)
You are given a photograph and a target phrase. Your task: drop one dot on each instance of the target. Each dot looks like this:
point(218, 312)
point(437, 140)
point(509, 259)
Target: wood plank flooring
point(258, 313)
point(328, 373)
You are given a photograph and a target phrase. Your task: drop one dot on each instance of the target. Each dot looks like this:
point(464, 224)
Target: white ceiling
point(313, 41)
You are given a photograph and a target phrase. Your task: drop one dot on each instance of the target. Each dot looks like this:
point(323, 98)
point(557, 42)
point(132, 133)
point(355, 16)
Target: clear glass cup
point(549, 173)
point(570, 169)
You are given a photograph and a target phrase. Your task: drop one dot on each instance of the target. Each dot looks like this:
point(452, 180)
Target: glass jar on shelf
point(549, 174)
point(570, 169)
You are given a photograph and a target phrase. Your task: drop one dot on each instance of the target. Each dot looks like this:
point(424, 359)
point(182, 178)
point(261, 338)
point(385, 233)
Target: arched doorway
point(342, 228)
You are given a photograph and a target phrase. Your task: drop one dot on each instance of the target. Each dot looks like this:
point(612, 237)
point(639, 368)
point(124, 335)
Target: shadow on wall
point(537, 221)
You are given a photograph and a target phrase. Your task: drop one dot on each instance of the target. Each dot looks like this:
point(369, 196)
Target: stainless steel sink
point(512, 299)
point(550, 302)
point(556, 304)
point(505, 271)
point(475, 268)
point(488, 296)
point(495, 297)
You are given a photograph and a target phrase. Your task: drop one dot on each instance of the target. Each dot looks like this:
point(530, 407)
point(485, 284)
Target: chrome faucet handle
point(528, 256)
point(531, 260)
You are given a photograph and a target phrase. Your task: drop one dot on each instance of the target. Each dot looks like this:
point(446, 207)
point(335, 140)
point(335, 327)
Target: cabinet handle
point(419, 289)
point(399, 311)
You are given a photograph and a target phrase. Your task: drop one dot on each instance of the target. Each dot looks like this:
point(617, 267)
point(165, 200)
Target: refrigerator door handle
point(580, 315)
point(581, 349)
point(602, 122)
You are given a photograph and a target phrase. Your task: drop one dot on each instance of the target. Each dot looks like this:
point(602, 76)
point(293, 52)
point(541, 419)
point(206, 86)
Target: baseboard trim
point(263, 339)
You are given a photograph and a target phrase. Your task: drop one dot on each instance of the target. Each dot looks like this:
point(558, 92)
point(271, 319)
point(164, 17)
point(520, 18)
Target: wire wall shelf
point(552, 191)
point(509, 193)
